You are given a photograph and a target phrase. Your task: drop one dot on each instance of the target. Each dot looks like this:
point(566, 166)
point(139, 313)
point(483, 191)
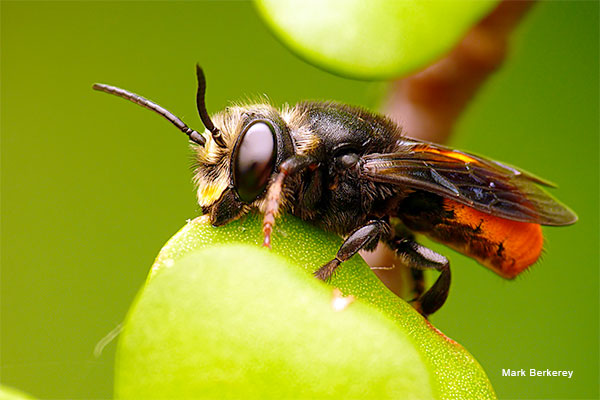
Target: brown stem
point(428, 103)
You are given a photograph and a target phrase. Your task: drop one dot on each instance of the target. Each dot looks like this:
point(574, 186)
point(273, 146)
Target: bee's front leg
point(366, 237)
point(420, 258)
point(291, 166)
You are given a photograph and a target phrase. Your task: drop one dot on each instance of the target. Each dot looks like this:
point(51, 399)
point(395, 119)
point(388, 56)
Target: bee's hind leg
point(420, 258)
point(417, 283)
point(366, 237)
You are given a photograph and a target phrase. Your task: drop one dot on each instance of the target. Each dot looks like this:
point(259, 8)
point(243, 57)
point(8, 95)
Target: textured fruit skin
point(246, 326)
point(154, 336)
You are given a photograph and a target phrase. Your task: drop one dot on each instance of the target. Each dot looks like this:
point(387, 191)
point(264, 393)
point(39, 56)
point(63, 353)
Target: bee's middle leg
point(420, 258)
point(366, 237)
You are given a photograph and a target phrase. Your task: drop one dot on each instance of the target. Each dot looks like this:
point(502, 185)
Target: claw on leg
point(365, 236)
point(327, 270)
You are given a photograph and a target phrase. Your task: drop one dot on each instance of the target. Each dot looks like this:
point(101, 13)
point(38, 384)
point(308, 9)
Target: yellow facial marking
point(209, 193)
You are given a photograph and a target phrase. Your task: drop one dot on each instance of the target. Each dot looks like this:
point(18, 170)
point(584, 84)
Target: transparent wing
point(488, 186)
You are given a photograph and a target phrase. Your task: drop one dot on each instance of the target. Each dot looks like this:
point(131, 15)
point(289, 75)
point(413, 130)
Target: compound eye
point(254, 161)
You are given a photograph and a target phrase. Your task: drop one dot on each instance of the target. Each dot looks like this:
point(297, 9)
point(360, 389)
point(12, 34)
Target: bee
point(353, 172)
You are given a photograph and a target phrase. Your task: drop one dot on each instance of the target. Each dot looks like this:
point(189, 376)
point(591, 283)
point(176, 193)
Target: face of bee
point(231, 178)
point(235, 157)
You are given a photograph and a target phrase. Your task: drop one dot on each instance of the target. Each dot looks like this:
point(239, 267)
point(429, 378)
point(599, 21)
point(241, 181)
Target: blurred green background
point(92, 187)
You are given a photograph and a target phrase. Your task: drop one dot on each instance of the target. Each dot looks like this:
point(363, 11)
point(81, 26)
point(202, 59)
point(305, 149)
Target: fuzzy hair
point(212, 171)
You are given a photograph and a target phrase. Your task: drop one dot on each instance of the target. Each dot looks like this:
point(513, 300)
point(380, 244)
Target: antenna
point(200, 103)
point(193, 135)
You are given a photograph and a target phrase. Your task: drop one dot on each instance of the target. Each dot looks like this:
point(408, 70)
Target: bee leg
point(366, 237)
point(289, 167)
point(418, 282)
point(420, 258)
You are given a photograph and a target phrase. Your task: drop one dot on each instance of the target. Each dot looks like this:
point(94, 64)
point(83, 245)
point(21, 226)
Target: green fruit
point(372, 39)
point(221, 317)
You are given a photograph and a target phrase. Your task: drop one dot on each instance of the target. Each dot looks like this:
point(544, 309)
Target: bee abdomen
point(507, 247)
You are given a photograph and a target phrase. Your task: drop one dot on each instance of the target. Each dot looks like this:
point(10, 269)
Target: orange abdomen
point(507, 247)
